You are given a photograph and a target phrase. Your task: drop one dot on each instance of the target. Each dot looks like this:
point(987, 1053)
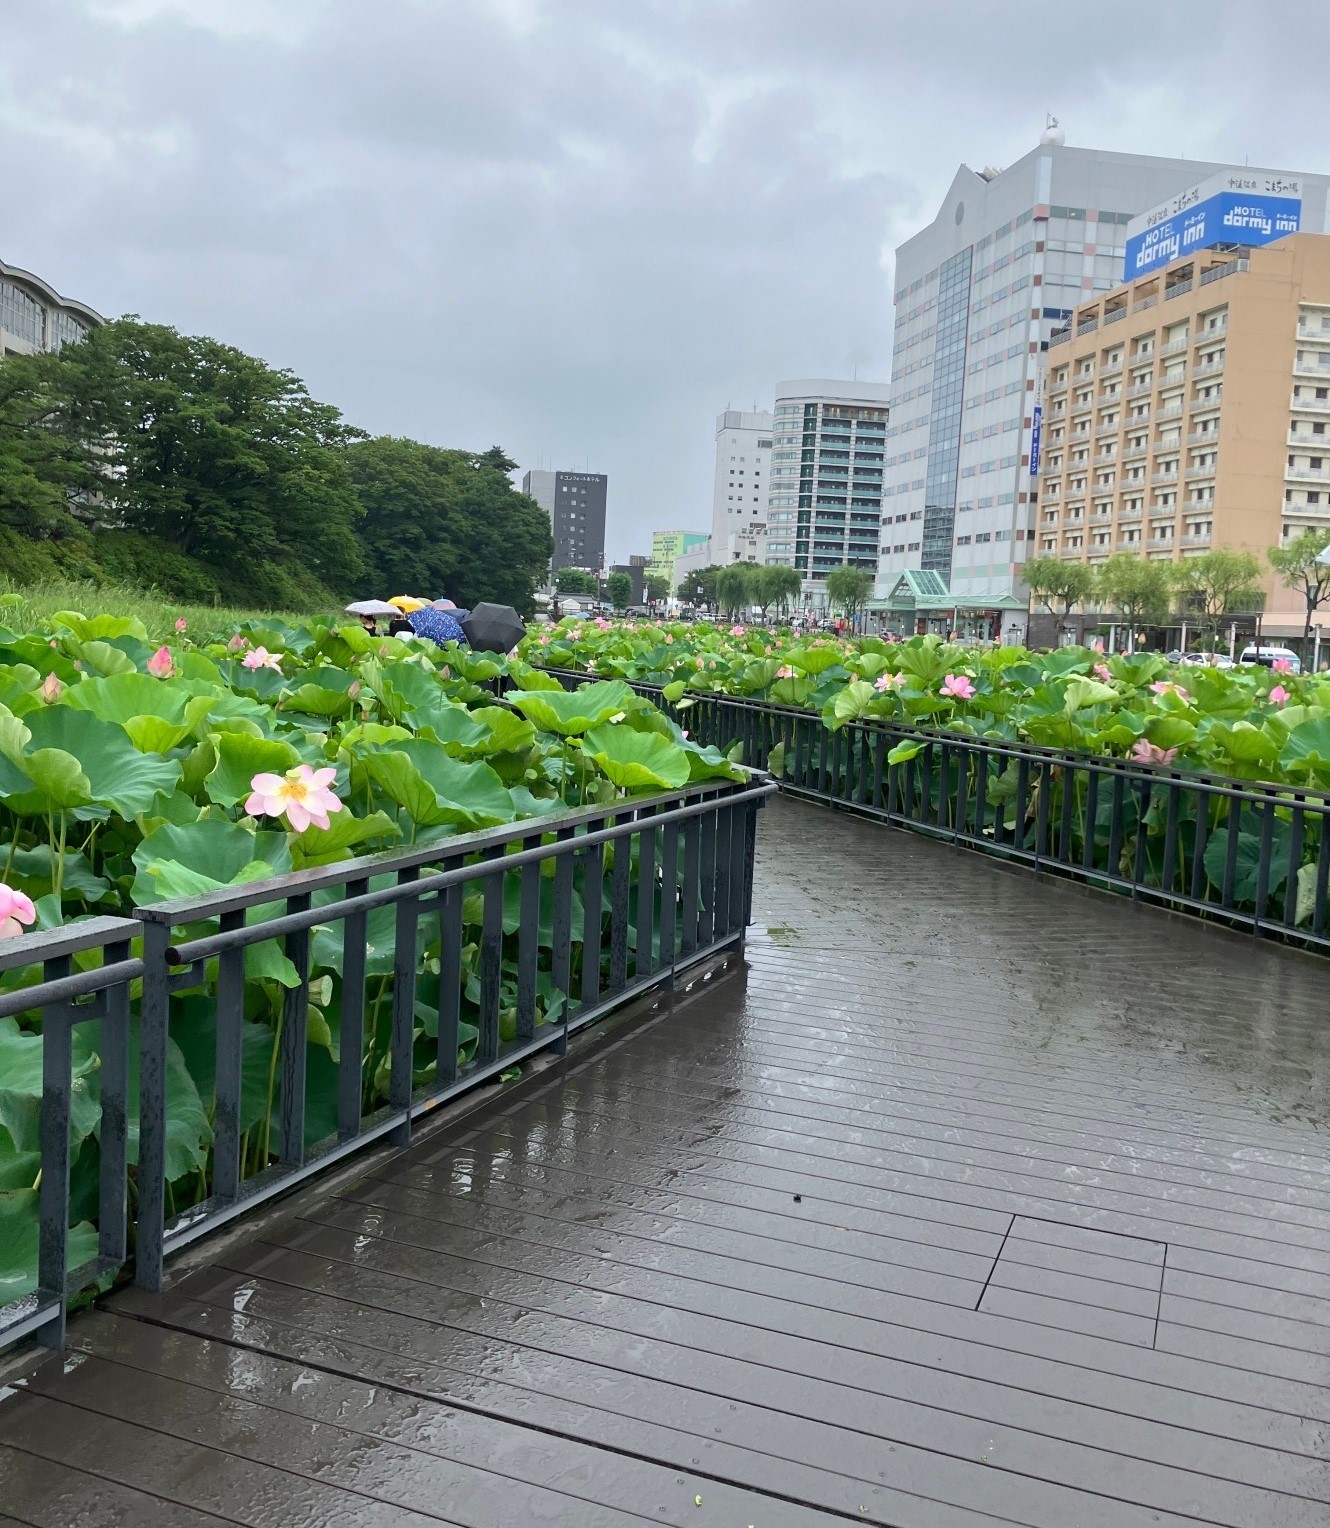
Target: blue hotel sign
point(1229, 218)
point(1236, 207)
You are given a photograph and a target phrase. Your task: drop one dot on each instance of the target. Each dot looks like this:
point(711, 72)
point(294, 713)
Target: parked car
point(1267, 657)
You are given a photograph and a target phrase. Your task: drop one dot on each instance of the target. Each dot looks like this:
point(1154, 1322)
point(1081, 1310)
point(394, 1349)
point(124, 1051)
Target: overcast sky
point(579, 228)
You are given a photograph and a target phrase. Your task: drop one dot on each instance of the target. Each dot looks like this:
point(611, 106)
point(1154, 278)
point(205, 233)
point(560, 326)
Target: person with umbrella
point(438, 623)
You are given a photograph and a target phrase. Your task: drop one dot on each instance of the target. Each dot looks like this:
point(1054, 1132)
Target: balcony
point(1178, 289)
point(1083, 405)
point(1193, 505)
point(1203, 438)
point(1134, 453)
point(1107, 429)
point(1202, 472)
point(1169, 410)
point(1129, 514)
point(1312, 474)
point(1207, 368)
point(1164, 512)
point(1112, 368)
point(1199, 538)
point(1088, 325)
point(1143, 304)
point(1310, 405)
point(1116, 316)
point(1127, 543)
point(1138, 389)
point(1174, 347)
point(1306, 369)
point(1166, 479)
point(1110, 395)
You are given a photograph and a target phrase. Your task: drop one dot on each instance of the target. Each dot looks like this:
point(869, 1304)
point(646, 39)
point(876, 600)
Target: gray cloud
point(578, 228)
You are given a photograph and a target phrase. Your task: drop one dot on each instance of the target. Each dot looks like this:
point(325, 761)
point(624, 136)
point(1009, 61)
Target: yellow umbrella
point(406, 603)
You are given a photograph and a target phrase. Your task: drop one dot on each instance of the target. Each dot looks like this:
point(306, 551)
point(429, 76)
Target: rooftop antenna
point(1053, 135)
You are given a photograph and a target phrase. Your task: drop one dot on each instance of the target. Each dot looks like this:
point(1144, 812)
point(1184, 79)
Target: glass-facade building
point(824, 504)
point(34, 316)
point(977, 294)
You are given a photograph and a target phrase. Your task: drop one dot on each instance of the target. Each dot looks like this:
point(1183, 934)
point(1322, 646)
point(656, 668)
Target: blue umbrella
point(439, 626)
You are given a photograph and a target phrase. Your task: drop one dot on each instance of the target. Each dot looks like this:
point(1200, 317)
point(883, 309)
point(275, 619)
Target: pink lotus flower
point(1146, 752)
point(181, 624)
point(236, 643)
point(301, 793)
point(785, 673)
point(888, 682)
point(1102, 671)
point(669, 639)
point(1282, 666)
point(958, 687)
point(1279, 696)
point(353, 689)
point(262, 658)
point(736, 631)
point(15, 910)
point(51, 688)
point(160, 665)
point(1167, 687)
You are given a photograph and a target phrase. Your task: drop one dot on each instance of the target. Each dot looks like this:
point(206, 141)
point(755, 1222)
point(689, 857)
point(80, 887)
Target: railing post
point(53, 1197)
point(153, 1031)
point(402, 1038)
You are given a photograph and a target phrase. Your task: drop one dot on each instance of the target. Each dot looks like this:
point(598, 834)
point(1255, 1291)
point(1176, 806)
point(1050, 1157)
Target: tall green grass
point(29, 604)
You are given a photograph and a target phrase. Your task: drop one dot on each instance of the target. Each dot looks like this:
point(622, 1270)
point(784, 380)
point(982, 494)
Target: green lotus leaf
point(571, 713)
point(107, 769)
point(434, 789)
point(18, 1244)
point(239, 758)
point(21, 1086)
point(204, 855)
point(324, 846)
point(635, 760)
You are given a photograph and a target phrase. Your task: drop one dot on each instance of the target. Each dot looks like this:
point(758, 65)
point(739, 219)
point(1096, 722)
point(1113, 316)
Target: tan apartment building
point(1190, 409)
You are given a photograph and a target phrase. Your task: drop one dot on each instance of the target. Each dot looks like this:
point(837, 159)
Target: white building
point(34, 316)
point(978, 292)
point(739, 494)
point(824, 507)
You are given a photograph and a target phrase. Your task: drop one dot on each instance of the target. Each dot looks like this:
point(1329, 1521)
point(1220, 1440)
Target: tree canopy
point(576, 581)
point(1298, 565)
point(1138, 589)
point(699, 587)
point(177, 461)
point(1218, 583)
point(1058, 586)
point(619, 587)
point(848, 589)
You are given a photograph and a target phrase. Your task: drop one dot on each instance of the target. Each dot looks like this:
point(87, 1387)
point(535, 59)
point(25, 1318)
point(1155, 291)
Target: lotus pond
point(133, 773)
point(1247, 722)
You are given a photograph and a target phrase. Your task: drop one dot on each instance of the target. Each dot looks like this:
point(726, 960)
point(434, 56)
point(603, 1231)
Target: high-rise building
point(666, 546)
point(824, 508)
point(575, 503)
point(34, 316)
point(978, 292)
point(739, 495)
point(1190, 409)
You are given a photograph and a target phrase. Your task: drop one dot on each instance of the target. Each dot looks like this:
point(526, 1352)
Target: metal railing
point(97, 992)
point(1249, 855)
point(531, 932)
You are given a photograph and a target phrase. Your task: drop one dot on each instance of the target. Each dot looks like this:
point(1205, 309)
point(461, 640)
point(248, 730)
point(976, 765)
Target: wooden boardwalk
point(966, 1199)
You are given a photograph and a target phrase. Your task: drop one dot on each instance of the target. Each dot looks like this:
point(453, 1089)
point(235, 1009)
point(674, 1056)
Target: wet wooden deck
point(966, 1199)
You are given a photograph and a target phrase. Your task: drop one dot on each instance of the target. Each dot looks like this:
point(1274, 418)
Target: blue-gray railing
point(1250, 855)
point(632, 892)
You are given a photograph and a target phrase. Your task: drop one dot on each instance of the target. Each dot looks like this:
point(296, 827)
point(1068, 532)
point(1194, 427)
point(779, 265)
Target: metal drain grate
point(1093, 1282)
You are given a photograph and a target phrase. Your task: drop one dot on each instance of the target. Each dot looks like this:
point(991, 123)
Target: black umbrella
point(494, 628)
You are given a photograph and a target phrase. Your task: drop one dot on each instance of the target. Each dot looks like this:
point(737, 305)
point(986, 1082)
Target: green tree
point(576, 581)
point(734, 588)
point(1058, 586)
point(619, 587)
point(47, 472)
point(443, 522)
point(1299, 565)
point(211, 450)
point(657, 588)
point(775, 586)
point(699, 587)
point(1140, 591)
point(1219, 583)
point(848, 589)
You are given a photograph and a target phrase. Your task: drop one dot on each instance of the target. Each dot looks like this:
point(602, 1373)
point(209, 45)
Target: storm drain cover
point(1093, 1282)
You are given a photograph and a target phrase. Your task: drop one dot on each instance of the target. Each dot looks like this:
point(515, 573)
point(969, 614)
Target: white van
point(1267, 657)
